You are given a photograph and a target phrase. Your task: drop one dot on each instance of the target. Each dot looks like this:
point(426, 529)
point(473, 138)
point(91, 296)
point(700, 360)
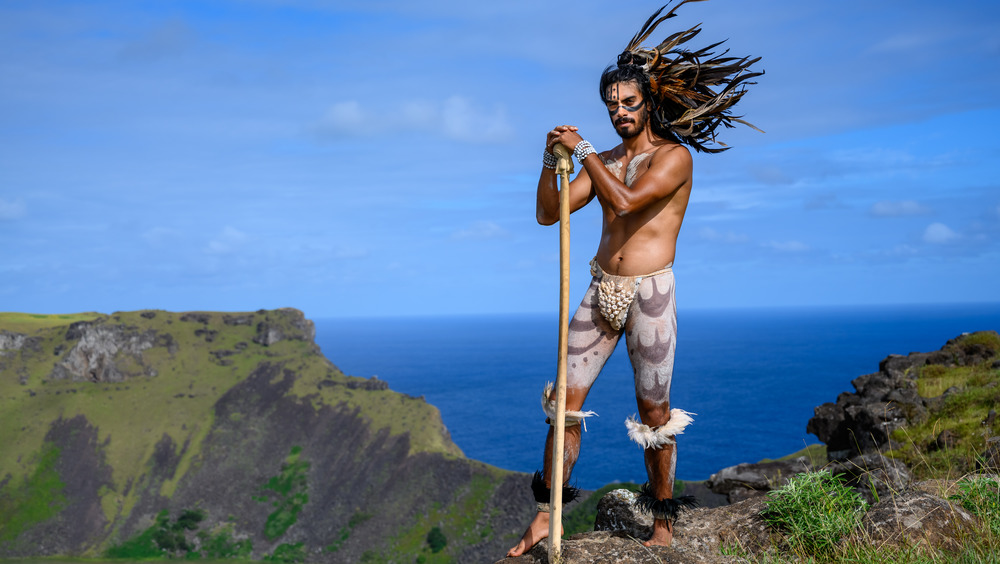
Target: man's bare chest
point(632, 171)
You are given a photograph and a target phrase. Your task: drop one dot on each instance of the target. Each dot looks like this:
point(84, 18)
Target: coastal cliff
point(152, 433)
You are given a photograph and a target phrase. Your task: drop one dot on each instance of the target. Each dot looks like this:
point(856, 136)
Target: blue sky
point(379, 157)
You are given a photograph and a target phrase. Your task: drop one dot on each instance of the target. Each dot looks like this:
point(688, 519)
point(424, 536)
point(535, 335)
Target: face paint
point(614, 105)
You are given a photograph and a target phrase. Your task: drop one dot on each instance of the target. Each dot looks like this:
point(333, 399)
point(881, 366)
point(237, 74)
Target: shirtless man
point(643, 186)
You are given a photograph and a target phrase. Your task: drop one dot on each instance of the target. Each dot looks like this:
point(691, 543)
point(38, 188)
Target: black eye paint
point(613, 107)
point(634, 108)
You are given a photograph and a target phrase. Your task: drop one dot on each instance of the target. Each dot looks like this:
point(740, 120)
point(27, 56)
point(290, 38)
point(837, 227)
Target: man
point(658, 101)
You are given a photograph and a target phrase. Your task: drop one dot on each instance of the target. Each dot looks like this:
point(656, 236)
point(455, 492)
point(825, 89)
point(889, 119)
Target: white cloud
point(481, 230)
point(939, 233)
point(709, 234)
point(787, 246)
point(454, 118)
point(11, 210)
point(886, 208)
point(229, 241)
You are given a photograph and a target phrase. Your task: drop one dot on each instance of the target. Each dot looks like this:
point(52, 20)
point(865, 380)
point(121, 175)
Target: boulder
point(990, 461)
point(616, 512)
point(915, 517)
point(748, 480)
point(873, 476)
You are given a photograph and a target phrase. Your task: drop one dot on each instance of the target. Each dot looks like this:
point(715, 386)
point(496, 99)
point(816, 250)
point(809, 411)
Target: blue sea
point(752, 376)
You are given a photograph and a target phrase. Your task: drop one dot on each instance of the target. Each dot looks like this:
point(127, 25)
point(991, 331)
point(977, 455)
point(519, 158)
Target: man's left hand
point(565, 134)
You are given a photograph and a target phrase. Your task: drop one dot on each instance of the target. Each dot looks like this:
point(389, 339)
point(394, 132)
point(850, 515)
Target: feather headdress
point(694, 91)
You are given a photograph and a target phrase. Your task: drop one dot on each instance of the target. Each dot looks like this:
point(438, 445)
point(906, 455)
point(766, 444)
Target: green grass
point(816, 454)
point(170, 391)
point(815, 510)
point(962, 413)
point(290, 486)
point(29, 323)
point(464, 520)
point(981, 496)
point(38, 498)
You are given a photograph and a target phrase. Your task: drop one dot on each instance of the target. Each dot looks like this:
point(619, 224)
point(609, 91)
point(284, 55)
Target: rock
point(915, 517)
point(873, 476)
point(884, 401)
point(746, 480)
point(701, 492)
point(827, 423)
point(939, 487)
point(94, 357)
point(990, 461)
point(698, 537)
point(944, 441)
point(196, 317)
point(11, 341)
point(991, 418)
point(616, 512)
point(286, 323)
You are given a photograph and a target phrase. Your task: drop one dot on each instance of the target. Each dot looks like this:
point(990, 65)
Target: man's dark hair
point(659, 113)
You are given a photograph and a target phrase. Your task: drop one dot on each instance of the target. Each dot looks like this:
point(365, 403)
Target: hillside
point(235, 424)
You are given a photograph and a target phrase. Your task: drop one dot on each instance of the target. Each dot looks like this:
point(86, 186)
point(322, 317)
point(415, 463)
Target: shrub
point(436, 540)
point(815, 510)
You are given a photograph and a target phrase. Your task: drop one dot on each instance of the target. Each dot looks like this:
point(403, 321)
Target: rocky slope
point(236, 425)
point(922, 415)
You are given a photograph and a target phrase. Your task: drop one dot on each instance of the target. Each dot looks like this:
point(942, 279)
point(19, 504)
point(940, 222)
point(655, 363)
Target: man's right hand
point(557, 135)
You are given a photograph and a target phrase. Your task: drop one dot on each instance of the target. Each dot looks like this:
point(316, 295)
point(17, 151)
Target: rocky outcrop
point(293, 325)
point(106, 352)
point(11, 342)
point(863, 421)
point(750, 480)
point(872, 476)
point(712, 535)
point(916, 518)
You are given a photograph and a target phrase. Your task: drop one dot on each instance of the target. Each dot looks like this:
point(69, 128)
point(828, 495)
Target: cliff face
point(936, 406)
point(107, 421)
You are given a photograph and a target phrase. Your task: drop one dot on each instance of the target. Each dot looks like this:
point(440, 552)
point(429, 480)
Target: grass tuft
point(816, 510)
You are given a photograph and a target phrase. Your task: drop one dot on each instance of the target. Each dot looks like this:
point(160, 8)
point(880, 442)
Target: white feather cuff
point(648, 437)
point(572, 417)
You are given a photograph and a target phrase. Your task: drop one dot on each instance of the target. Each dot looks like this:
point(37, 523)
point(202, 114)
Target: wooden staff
point(564, 167)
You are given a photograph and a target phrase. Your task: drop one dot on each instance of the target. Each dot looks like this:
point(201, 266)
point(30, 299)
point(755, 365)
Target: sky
point(380, 158)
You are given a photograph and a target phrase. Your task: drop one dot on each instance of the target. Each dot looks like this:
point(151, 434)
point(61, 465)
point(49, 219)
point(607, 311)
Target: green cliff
point(227, 434)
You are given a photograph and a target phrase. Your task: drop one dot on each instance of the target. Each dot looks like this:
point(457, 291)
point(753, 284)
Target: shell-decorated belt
point(615, 293)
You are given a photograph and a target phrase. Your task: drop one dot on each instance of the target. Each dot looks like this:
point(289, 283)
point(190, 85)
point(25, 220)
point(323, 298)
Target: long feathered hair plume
point(693, 91)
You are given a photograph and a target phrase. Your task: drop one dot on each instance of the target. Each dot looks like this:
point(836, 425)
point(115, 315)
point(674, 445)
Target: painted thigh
point(651, 336)
point(591, 342)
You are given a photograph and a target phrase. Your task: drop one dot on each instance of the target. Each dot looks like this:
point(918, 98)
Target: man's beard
point(640, 125)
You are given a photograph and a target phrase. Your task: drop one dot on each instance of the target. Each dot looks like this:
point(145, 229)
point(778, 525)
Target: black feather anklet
point(543, 493)
point(667, 509)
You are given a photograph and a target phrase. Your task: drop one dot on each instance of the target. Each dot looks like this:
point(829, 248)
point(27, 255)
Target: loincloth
point(615, 293)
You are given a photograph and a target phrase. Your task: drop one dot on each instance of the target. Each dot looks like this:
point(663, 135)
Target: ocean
point(751, 376)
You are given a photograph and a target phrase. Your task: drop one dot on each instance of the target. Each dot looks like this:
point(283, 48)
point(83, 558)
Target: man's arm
point(547, 198)
point(669, 169)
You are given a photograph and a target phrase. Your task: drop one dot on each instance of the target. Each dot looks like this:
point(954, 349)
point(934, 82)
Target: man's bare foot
point(663, 534)
point(537, 530)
